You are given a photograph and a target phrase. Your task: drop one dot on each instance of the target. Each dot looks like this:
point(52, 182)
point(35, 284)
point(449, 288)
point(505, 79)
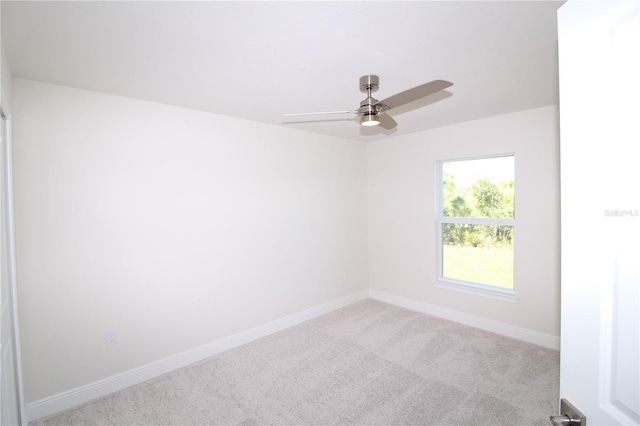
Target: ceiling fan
point(372, 112)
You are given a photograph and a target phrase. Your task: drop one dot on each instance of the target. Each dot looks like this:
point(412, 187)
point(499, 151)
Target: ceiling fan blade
point(300, 114)
point(386, 122)
point(415, 93)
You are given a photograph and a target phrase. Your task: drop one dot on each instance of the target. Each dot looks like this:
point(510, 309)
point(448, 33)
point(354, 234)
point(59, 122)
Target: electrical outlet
point(110, 337)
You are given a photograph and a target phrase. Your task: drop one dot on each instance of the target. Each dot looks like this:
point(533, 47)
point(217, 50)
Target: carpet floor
point(369, 363)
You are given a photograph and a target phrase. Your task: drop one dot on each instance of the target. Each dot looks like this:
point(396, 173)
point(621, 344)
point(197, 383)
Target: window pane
point(478, 253)
point(478, 188)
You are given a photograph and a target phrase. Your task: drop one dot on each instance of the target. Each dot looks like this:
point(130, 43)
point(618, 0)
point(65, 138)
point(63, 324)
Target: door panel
point(599, 57)
point(10, 394)
point(625, 394)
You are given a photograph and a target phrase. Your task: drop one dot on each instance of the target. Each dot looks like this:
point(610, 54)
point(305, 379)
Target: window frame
point(471, 287)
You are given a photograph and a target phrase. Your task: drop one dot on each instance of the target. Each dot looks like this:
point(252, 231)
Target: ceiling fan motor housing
point(368, 106)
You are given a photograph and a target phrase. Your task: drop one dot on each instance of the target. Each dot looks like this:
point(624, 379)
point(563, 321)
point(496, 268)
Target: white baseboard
point(74, 397)
point(540, 339)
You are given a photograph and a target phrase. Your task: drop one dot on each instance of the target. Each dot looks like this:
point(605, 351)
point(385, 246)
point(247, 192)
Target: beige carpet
point(368, 363)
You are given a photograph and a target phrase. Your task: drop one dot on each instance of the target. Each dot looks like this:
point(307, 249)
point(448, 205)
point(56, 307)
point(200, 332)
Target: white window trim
point(469, 287)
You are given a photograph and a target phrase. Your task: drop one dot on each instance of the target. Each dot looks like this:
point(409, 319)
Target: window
point(475, 220)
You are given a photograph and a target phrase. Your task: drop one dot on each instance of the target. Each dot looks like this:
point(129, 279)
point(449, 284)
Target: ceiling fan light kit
point(372, 112)
point(369, 120)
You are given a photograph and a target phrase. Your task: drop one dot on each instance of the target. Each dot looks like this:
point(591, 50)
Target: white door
point(599, 57)
point(10, 392)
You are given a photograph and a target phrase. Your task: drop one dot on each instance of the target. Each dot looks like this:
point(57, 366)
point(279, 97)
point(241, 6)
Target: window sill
point(506, 295)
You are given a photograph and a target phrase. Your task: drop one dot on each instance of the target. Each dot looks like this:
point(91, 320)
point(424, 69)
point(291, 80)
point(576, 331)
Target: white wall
point(402, 232)
point(173, 226)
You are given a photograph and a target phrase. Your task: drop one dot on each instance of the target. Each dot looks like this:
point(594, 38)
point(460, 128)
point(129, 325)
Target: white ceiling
point(257, 60)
